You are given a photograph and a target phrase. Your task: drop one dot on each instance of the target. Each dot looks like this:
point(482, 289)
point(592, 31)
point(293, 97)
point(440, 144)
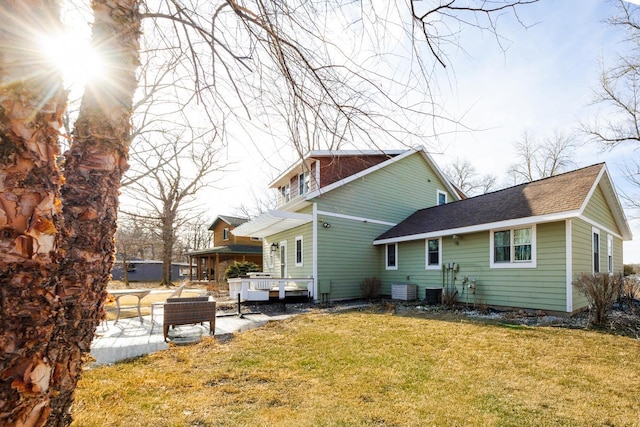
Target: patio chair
point(187, 311)
point(174, 294)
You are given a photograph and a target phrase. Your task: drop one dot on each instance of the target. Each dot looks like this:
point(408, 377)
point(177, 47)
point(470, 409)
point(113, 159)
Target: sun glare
point(74, 57)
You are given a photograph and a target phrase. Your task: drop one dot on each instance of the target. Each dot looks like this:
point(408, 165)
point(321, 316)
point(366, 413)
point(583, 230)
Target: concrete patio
point(129, 338)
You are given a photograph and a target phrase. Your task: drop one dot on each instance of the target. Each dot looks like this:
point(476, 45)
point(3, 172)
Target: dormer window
point(225, 234)
point(303, 183)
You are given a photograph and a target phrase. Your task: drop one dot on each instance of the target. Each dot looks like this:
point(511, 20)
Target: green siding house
point(347, 215)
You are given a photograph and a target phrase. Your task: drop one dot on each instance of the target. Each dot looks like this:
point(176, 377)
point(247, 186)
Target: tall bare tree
point(619, 93)
point(54, 273)
point(537, 159)
point(464, 175)
point(175, 170)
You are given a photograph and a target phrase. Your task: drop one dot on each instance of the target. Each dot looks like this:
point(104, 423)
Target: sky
point(542, 81)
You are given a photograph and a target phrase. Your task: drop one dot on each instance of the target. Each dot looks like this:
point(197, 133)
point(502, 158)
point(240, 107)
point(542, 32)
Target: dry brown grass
point(365, 368)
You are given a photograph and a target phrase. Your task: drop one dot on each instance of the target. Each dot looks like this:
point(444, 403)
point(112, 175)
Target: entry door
point(283, 259)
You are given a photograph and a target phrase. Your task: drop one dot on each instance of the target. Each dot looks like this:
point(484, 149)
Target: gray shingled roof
point(230, 249)
point(231, 220)
point(561, 193)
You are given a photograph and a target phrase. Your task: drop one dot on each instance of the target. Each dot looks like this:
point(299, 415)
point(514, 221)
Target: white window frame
point(513, 264)
point(610, 253)
point(225, 234)
point(386, 256)
point(285, 192)
point(303, 183)
point(301, 262)
point(596, 231)
point(428, 266)
point(438, 194)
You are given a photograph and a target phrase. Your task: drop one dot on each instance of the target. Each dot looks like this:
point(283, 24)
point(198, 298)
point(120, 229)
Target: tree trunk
point(167, 245)
point(94, 166)
point(53, 277)
point(32, 102)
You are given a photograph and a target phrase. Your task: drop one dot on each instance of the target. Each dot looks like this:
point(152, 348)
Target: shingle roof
point(230, 249)
point(231, 220)
point(561, 193)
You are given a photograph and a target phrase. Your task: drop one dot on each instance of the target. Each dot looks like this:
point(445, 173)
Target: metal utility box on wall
point(433, 296)
point(404, 291)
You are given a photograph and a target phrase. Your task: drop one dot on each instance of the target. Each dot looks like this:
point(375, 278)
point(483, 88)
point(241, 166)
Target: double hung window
point(434, 253)
point(513, 247)
point(391, 256)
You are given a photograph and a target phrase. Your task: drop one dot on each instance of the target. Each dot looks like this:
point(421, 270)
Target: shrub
point(601, 291)
point(629, 292)
point(239, 269)
point(450, 296)
point(370, 287)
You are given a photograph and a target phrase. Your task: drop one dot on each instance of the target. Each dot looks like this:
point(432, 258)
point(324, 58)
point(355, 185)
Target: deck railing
point(258, 288)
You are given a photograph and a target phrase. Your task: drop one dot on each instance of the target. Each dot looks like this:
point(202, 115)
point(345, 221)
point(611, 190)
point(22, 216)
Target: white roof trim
point(611, 197)
point(270, 223)
point(483, 227)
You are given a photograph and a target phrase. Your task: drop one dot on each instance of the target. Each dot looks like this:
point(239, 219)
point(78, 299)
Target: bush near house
point(239, 269)
point(601, 291)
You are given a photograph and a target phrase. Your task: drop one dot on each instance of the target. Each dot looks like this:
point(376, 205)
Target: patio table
point(118, 293)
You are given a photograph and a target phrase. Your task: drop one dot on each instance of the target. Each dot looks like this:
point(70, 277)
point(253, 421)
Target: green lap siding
point(388, 194)
point(543, 287)
point(346, 255)
point(271, 261)
point(598, 211)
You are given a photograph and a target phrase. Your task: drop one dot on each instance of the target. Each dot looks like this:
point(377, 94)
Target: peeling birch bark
point(56, 244)
point(32, 101)
point(94, 166)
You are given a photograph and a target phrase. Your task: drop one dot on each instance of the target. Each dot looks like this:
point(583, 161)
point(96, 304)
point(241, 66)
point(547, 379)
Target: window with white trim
point(513, 248)
point(596, 250)
point(442, 197)
point(225, 234)
point(303, 183)
point(299, 252)
point(610, 253)
point(434, 253)
point(391, 256)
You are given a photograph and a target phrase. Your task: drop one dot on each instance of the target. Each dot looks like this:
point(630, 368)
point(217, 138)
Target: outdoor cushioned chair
point(187, 311)
point(174, 294)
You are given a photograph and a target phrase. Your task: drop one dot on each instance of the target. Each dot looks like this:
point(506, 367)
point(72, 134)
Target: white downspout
point(569, 265)
point(314, 243)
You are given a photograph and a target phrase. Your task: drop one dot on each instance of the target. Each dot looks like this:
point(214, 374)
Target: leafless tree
point(226, 50)
point(541, 159)
point(464, 175)
point(175, 170)
point(618, 92)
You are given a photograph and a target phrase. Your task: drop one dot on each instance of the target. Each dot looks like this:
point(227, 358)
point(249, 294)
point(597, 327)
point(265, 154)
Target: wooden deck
point(267, 288)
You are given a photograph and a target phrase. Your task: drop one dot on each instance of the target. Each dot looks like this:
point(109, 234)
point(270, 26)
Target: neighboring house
point(143, 270)
point(210, 264)
point(345, 216)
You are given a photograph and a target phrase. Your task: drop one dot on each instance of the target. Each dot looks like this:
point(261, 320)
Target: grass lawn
point(374, 369)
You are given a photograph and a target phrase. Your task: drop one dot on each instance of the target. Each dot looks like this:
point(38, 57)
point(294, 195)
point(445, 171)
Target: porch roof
point(270, 223)
point(229, 249)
